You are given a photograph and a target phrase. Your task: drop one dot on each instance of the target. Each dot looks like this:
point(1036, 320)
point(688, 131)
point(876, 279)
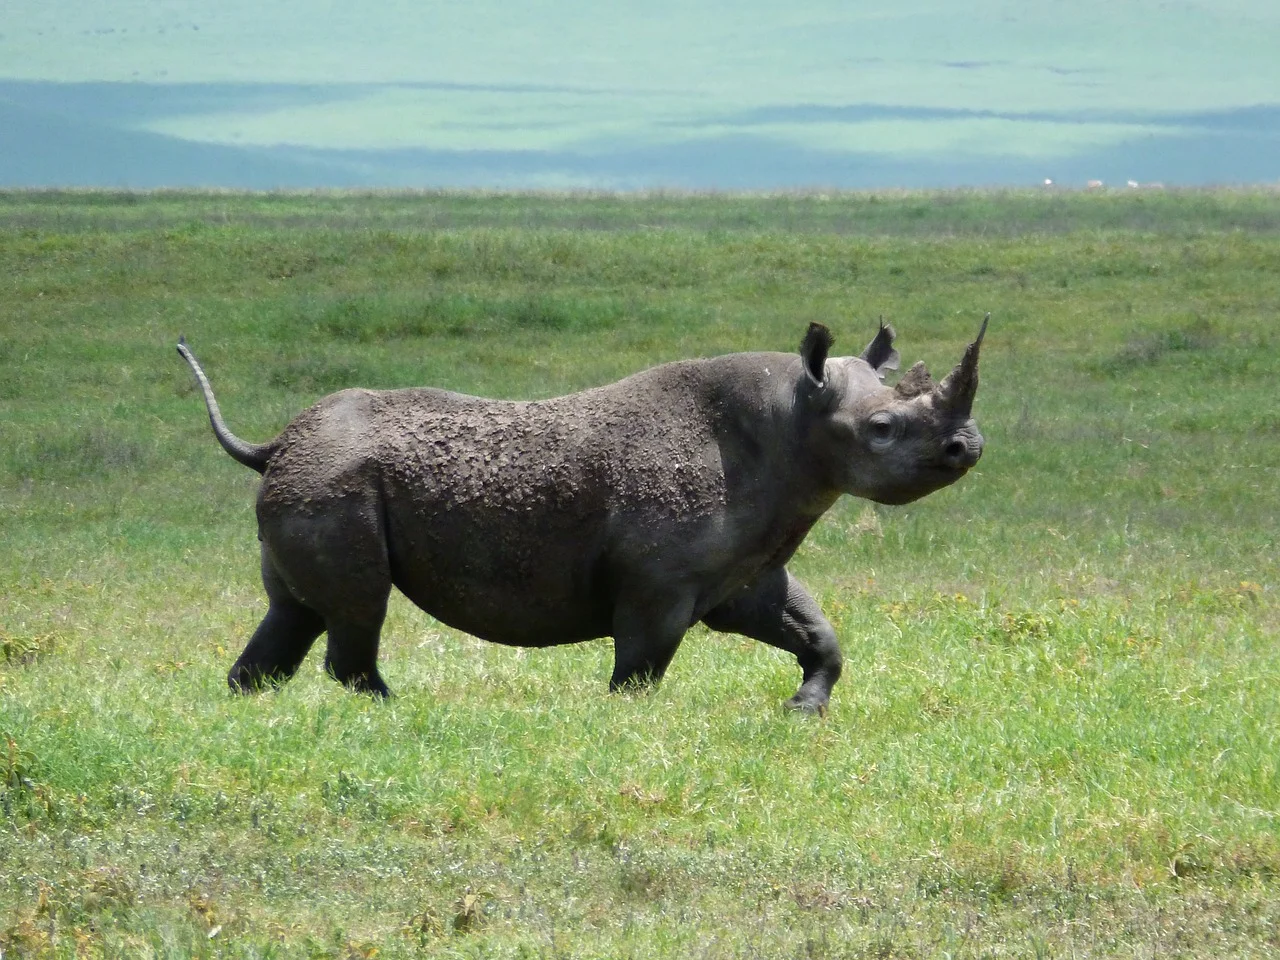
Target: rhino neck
point(774, 491)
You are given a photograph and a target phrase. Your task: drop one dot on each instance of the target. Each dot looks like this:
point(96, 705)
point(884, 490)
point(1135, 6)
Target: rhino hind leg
point(777, 610)
point(352, 655)
point(276, 649)
point(278, 646)
point(325, 571)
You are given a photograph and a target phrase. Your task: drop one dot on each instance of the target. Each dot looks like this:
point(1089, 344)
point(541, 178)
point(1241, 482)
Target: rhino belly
point(519, 580)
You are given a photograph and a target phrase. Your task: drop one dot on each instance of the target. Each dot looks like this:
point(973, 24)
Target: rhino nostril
point(956, 450)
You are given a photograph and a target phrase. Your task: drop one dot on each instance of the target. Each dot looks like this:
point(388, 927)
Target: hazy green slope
point(670, 93)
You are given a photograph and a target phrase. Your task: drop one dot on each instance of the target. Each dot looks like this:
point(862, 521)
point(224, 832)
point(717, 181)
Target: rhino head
point(889, 444)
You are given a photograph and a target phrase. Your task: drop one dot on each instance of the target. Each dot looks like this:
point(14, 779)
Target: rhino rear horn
point(880, 355)
point(915, 381)
point(813, 351)
point(959, 387)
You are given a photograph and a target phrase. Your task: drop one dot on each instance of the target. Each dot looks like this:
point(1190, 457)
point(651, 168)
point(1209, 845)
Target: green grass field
point(1058, 729)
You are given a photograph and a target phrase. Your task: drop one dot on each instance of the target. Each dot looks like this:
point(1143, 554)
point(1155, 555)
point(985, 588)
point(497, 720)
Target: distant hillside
point(716, 95)
point(43, 148)
point(57, 144)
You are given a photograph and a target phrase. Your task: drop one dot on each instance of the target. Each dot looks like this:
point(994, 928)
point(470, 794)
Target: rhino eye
point(882, 428)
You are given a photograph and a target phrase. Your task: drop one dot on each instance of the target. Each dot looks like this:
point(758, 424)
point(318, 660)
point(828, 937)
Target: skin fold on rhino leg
point(778, 611)
point(281, 641)
point(647, 631)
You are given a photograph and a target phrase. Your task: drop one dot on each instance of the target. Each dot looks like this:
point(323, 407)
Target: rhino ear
point(880, 354)
point(813, 352)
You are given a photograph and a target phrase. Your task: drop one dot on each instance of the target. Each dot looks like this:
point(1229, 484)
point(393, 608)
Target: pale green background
point(659, 93)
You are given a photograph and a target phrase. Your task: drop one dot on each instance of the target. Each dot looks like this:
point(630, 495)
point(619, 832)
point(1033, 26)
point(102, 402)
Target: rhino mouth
point(933, 476)
point(953, 469)
point(944, 474)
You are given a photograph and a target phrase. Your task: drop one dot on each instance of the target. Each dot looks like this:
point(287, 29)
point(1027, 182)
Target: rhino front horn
point(957, 390)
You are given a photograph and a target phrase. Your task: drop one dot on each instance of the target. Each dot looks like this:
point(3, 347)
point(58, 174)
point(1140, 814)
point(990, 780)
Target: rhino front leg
point(777, 610)
point(647, 630)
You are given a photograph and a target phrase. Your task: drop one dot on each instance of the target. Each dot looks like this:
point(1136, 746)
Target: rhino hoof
point(806, 705)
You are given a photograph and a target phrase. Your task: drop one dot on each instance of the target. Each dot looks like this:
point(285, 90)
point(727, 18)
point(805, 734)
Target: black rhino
point(632, 510)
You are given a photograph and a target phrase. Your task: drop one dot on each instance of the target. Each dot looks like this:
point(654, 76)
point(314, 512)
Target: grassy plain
point(1059, 727)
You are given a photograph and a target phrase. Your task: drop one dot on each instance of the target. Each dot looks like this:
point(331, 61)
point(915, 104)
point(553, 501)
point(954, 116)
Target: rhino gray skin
point(632, 510)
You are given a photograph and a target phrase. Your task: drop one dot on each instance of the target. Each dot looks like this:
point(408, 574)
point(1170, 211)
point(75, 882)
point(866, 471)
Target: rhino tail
point(252, 455)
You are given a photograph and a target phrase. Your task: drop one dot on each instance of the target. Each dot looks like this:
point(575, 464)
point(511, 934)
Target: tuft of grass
point(1147, 348)
point(21, 651)
point(82, 457)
